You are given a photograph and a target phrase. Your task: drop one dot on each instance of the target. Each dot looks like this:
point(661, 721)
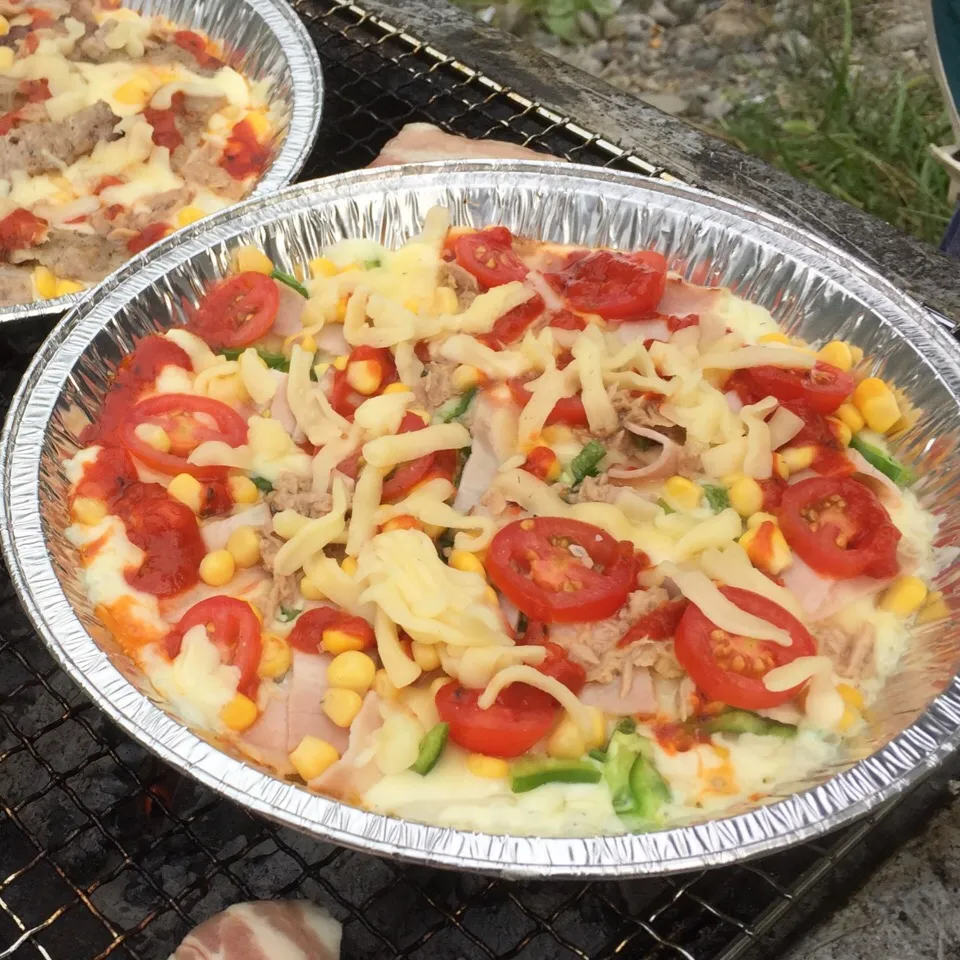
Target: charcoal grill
point(104, 852)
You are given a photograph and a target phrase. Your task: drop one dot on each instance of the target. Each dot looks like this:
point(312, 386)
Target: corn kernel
point(856, 353)
point(251, 260)
point(349, 566)
point(798, 458)
point(837, 354)
point(340, 363)
point(847, 413)
point(320, 369)
point(341, 313)
point(425, 656)
point(186, 488)
point(934, 609)
point(767, 548)
point(352, 670)
point(134, 92)
point(45, 283)
point(746, 496)
point(322, 267)
point(275, 656)
point(65, 287)
point(244, 547)
point(189, 215)
point(490, 768)
point(566, 742)
point(467, 562)
point(243, 490)
point(364, 376)
point(490, 595)
point(6, 58)
point(758, 518)
point(258, 123)
point(445, 300)
point(851, 696)
point(308, 344)
point(774, 338)
point(341, 706)
point(840, 430)
point(402, 522)
point(310, 590)
point(904, 596)
point(217, 568)
point(337, 642)
point(4, 26)
point(395, 388)
point(312, 757)
point(876, 402)
point(88, 511)
point(153, 435)
point(229, 390)
point(848, 719)
point(598, 732)
point(465, 377)
point(240, 713)
point(383, 686)
point(780, 467)
point(413, 304)
point(681, 493)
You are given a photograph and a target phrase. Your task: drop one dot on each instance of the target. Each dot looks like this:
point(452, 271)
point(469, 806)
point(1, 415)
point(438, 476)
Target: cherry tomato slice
point(514, 722)
point(659, 624)
point(532, 564)
point(237, 311)
point(21, 229)
point(243, 154)
point(617, 286)
point(568, 410)
point(839, 528)
point(167, 532)
point(408, 475)
point(137, 373)
point(567, 320)
point(822, 389)
point(233, 628)
point(489, 256)
point(308, 630)
point(559, 666)
point(186, 420)
point(513, 324)
point(731, 668)
point(148, 236)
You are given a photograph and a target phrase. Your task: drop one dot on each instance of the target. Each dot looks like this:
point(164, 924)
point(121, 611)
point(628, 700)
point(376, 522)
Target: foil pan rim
point(891, 770)
point(307, 107)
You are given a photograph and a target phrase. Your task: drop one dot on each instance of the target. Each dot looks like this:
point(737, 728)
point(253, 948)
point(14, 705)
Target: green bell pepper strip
point(529, 774)
point(736, 722)
point(292, 282)
point(899, 473)
point(431, 747)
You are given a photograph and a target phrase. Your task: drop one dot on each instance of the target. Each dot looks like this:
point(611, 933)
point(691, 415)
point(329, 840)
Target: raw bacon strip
point(422, 142)
point(267, 930)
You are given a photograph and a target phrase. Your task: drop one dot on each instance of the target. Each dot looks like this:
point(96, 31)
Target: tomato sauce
point(244, 155)
point(21, 229)
point(36, 91)
point(659, 624)
point(136, 373)
point(164, 123)
point(196, 45)
point(108, 477)
point(830, 462)
point(675, 738)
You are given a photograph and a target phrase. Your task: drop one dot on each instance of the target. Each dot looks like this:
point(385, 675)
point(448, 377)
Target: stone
point(587, 23)
point(613, 29)
point(601, 51)
point(684, 10)
point(795, 43)
point(681, 49)
point(662, 14)
point(706, 58)
point(734, 23)
point(717, 108)
point(903, 36)
point(667, 102)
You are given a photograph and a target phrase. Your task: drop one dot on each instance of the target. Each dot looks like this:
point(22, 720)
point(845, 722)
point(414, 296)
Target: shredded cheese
point(534, 678)
point(385, 452)
point(314, 535)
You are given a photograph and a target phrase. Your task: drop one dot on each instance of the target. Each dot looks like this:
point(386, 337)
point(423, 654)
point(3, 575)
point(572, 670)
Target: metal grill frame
point(103, 855)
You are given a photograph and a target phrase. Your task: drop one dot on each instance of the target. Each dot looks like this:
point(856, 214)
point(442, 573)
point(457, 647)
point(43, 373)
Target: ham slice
point(481, 466)
point(280, 405)
point(266, 740)
point(216, 533)
point(288, 320)
point(821, 597)
point(268, 930)
point(608, 697)
point(642, 330)
point(665, 465)
point(356, 771)
point(878, 482)
point(422, 142)
point(331, 340)
point(305, 716)
point(251, 585)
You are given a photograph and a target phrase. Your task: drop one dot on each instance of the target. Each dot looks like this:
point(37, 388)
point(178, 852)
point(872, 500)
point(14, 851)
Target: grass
point(864, 141)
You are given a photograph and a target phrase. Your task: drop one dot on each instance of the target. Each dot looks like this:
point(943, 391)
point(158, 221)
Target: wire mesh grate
point(105, 852)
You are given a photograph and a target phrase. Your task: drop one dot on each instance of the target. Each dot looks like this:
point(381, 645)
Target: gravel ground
point(697, 59)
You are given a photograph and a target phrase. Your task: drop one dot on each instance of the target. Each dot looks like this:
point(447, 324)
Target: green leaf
point(585, 463)
point(276, 361)
point(717, 497)
point(288, 613)
point(371, 264)
point(262, 484)
point(291, 282)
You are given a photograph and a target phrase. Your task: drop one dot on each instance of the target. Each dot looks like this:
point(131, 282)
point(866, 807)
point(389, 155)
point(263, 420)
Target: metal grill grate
point(104, 852)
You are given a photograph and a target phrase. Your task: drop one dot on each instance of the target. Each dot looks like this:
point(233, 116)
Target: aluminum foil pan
point(264, 40)
point(817, 290)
